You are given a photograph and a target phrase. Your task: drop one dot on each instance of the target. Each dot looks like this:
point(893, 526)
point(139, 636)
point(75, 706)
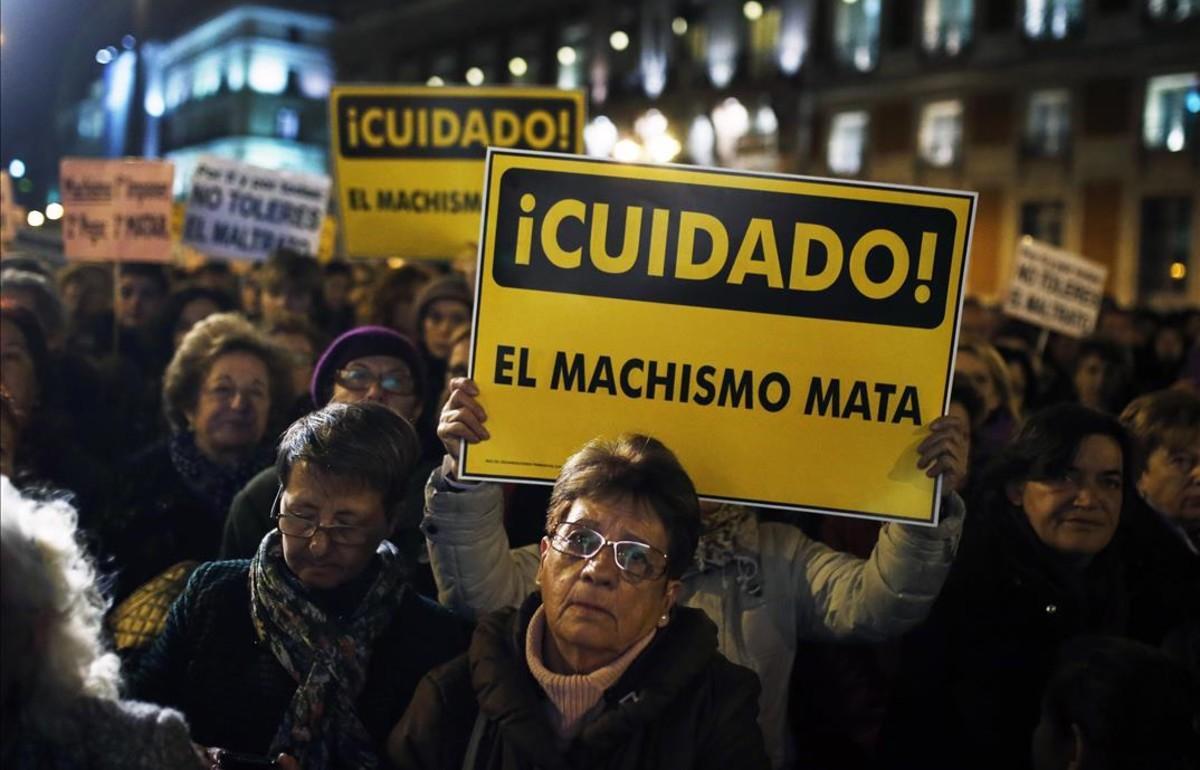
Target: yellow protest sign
point(789, 338)
point(409, 160)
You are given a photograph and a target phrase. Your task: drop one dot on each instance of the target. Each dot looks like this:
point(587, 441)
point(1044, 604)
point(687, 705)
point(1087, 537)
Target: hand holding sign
point(461, 420)
point(944, 451)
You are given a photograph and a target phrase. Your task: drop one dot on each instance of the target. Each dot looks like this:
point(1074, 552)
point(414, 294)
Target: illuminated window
point(939, 138)
point(856, 33)
point(847, 142)
point(268, 74)
point(1052, 19)
point(287, 123)
point(206, 77)
point(1172, 10)
point(946, 26)
point(1166, 243)
point(1048, 122)
point(1043, 220)
point(1169, 117)
point(315, 83)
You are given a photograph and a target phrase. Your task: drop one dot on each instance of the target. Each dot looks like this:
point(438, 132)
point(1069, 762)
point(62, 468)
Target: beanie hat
point(449, 287)
point(361, 342)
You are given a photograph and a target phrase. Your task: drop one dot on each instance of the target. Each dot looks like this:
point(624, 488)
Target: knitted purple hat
point(361, 342)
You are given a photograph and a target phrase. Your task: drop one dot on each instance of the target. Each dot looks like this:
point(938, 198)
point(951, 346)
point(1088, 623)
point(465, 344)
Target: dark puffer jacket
point(680, 705)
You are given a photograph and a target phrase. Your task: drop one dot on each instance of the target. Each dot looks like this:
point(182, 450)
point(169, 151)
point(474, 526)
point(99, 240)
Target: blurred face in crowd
point(141, 299)
point(251, 298)
point(16, 368)
point(1169, 344)
point(285, 299)
point(457, 364)
point(352, 521)
point(193, 313)
point(1090, 374)
point(230, 416)
point(383, 379)
point(441, 320)
point(1077, 514)
point(974, 370)
point(1171, 481)
point(300, 356)
point(595, 611)
point(336, 290)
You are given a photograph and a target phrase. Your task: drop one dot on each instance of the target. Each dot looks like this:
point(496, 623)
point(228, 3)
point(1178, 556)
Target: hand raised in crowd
point(944, 451)
point(462, 419)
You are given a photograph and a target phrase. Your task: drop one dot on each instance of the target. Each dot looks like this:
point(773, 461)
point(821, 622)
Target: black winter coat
point(679, 705)
point(210, 664)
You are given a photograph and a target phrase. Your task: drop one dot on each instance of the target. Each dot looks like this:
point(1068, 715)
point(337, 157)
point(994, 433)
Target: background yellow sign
point(409, 161)
point(789, 338)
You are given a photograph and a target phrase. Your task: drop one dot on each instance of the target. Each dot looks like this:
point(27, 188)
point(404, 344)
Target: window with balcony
point(1165, 245)
point(847, 142)
point(939, 137)
point(1170, 113)
point(1052, 19)
point(946, 26)
point(1048, 123)
point(856, 33)
point(1043, 220)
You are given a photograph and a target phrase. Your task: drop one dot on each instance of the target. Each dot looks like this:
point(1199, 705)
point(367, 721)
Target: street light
point(475, 76)
point(517, 66)
point(435, 81)
point(16, 168)
point(35, 218)
point(752, 10)
point(54, 211)
point(618, 40)
point(104, 56)
point(566, 56)
point(679, 26)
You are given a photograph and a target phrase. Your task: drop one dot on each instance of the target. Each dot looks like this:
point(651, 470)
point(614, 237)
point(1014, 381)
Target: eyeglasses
point(225, 394)
point(638, 561)
point(365, 379)
point(305, 528)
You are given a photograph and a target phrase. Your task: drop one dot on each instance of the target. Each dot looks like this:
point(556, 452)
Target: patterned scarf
point(321, 726)
point(216, 484)
point(730, 536)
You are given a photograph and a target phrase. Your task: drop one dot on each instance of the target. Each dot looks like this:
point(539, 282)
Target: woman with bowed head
point(222, 390)
point(1041, 565)
point(765, 584)
point(600, 668)
point(313, 647)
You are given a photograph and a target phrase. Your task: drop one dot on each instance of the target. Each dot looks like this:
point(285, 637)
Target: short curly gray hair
point(207, 341)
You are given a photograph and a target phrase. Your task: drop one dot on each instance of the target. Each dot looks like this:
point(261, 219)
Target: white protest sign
point(1055, 289)
point(242, 212)
point(116, 209)
point(9, 221)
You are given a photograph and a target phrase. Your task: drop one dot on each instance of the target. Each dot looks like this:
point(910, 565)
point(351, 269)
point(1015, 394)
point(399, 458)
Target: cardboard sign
point(789, 338)
point(11, 217)
point(409, 160)
point(1055, 289)
point(116, 209)
point(243, 212)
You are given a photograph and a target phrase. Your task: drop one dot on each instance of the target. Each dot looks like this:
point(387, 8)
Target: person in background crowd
point(1118, 705)
point(290, 282)
point(979, 364)
point(58, 685)
point(216, 275)
point(369, 363)
point(223, 389)
point(1022, 377)
point(37, 294)
point(300, 341)
point(186, 308)
point(442, 307)
point(141, 293)
point(314, 646)
point(601, 667)
point(87, 295)
point(336, 310)
point(250, 293)
point(459, 360)
point(766, 585)
point(391, 299)
point(1164, 357)
point(1038, 566)
point(1102, 375)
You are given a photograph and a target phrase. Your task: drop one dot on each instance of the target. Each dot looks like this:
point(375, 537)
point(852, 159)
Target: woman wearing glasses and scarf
point(312, 648)
point(599, 668)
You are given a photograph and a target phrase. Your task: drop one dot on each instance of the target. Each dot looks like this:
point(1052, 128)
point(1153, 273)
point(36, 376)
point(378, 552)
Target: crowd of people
point(235, 535)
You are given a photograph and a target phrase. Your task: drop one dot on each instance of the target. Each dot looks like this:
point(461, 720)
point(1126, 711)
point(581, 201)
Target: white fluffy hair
point(46, 570)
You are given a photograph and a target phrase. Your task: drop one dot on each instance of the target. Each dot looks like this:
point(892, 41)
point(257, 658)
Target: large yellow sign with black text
point(789, 338)
point(409, 159)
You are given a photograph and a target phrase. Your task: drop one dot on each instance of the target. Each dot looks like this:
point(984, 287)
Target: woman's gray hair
point(207, 341)
point(47, 572)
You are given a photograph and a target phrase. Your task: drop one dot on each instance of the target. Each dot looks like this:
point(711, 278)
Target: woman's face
point(1089, 381)
point(441, 320)
point(1077, 514)
point(16, 369)
point(973, 368)
point(231, 411)
point(594, 613)
point(318, 561)
point(406, 404)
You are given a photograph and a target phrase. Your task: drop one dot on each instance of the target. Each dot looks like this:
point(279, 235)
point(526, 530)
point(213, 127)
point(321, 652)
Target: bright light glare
point(435, 81)
point(679, 25)
point(36, 218)
point(103, 56)
point(517, 66)
point(618, 40)
point(752, 10)
point(1178, 271)
point(627, 151)
point(663, 148)
point(566, 56)
point(16, 168)
point(475, 76)
point(54, 211)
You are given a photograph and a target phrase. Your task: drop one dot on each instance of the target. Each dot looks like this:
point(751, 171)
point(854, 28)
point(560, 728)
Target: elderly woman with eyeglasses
point(599, 668)
point(312, 648)
point(223, 390)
